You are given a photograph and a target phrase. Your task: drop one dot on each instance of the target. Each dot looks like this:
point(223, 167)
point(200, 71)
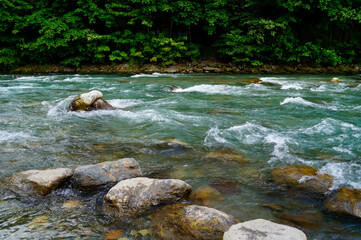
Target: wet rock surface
point(226, 157)
point(40, 182)
point(303, 177)
point(345, 201)
point(91, 177)
point(90, 101)
point(206, 195)
point(135, 196)
point(261, 229)
point(100, 105)
point(182, 221)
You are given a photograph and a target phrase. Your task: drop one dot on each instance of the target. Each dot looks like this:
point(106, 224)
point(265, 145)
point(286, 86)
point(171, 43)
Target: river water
point(289, 120)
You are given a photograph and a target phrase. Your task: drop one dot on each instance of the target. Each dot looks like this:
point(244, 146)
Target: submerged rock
point(40, 182)
point(305, 220)
point(345, 201)
point(226, 157)
point(92, 100)
point(206, 195)
point(261, 229)
point(182, 221)
point(171, 147)
point(90, 177)
point(135, 196)
point(303, 177)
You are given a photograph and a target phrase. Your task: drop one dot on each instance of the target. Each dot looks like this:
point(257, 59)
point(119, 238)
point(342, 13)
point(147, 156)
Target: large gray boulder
point(40, 182)
point(261, 229)
point(92, 100)
point(135, 196)
point(345, 201)
point(93, 177)
point(182, 221)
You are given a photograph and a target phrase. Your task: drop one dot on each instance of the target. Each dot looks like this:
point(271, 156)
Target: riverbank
point(187, 68)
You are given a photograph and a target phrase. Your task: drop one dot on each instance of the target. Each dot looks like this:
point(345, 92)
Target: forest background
point(165, 32)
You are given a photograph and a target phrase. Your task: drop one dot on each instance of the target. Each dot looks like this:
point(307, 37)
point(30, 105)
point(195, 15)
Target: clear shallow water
point(294, 119)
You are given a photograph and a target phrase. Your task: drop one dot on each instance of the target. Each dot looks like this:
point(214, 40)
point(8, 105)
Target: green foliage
point(165, 32)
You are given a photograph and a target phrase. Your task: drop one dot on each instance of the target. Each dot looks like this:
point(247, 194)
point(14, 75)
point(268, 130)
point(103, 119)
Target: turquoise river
point(287, 120)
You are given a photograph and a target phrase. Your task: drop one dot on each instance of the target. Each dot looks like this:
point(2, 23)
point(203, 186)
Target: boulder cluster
point(163, 200)
point(343, 200)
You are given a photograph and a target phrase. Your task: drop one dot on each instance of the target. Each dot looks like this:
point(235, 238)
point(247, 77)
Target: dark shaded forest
point(253, 32)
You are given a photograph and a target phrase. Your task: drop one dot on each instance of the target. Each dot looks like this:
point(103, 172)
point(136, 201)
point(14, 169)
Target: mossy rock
point(303, 177)
point(186, 222)
point(345, 201)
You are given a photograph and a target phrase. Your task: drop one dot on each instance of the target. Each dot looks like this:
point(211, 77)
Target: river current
point(287, 120)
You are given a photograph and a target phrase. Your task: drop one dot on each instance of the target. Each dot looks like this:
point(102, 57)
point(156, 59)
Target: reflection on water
point(171, 124)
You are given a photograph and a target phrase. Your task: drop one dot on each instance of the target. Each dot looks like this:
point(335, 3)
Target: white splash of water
point(6, 137)
point(344, 173)
point(213, 136)
point(124, 103)
point(213, 89)
point(155, 75)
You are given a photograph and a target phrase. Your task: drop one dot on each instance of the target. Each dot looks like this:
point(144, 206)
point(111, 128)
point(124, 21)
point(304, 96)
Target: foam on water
point(6, 137)
point(125, 103)
point(213, 89)
point(253, 134)
point(214, 138)
point(329, 126)
point(345, 173)
point(60, 108)
point(144, 75)
point(301, 101)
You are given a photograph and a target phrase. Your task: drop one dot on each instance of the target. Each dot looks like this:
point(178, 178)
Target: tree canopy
point(321, 32)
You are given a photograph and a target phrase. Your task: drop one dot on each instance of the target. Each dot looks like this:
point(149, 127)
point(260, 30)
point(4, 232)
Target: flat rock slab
point(135, 196)
point(92, 177)
point(261, 229)
point(182, 221)
point(303, 177)
point(40, 182)
point(345, 201)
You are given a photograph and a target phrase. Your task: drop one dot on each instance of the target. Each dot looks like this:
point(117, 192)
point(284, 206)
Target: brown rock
point(190, 222)
point(100, 105)
point(114, 234)
point(226, 157)
point(303, 177)
point(345, 201)
point(40, 182)
point(335, 80)
point(135, 196)
point(306, 220)
point(206, 196)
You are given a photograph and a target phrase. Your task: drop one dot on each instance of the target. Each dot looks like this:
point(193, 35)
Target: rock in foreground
point(91, 177)
point(303, 177)
point(261, 229)
point(345, 201)
point(40, 182)
point(92, 100)
point(135, 196)
point(190, 222)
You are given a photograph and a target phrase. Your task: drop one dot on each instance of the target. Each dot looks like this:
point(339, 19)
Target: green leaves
point(324, 32)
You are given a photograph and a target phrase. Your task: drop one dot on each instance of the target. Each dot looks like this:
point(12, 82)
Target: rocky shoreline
point(166, 202)
point(171, 204)
point(186, 68)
